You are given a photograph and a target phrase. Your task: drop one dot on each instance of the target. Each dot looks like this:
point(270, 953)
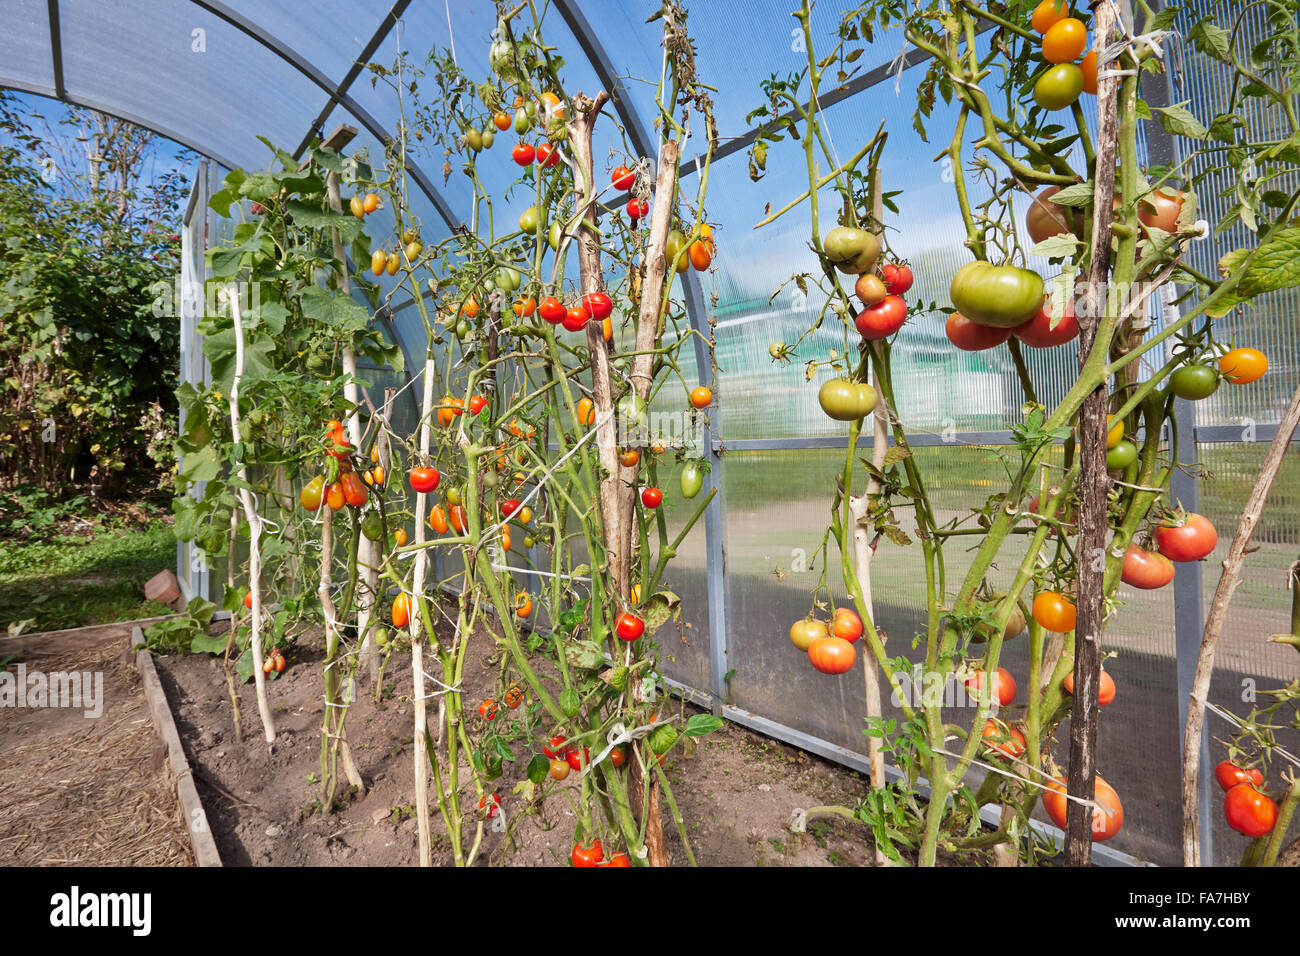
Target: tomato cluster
point(1247, 808)
point(830, 650)
point(1064, 40)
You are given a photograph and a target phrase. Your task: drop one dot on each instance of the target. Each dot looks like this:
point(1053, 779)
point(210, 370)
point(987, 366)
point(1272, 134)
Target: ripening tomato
point(1049, 13)
point(1105, 687)
point(354, 490)
point(1248, 811)
point(1059, 87)
point(559, 769)
point(1002, 688)
point(1229, 775)
point(449, 409)
point(651, 497)
point(394, 264)
point(897, 277)
point(523, 154)
point(575, 319)
point(1243, 366)
point(378, 262)
point(514, 695)
point(248, 600)
point(870, 288)
point(552, 310)
point(1147, 570)
point(425, 480)
point(701, 396)
point(622, 178)
point(357, 205)
point(399, 537)
point(1054, 611)
point(637, 209)
point(523, 604)
point(1107, 812)
point(701, 255)
point(469, 309)
point(457, 519)
point(401, 610)
point(597, 305)
point(971, 336)
point(312, 493)
point(628, 626)
point(587, 854)
point(586, 412)
point(883, 319)
point(1046, 218)
point(438, 519)
point(618, 756)
point(1009, 743)
point(1038, 331)
point(371, 202)
point(524, 306)
point(1190, 540)
point(502, 121)
point(846, 624)
point(488, 709)
point(832, 655)
point(803, 633)
point(1159, 209)
point(1088, 67)
point(334, 496)
point(629, 458)
point(1064, 41)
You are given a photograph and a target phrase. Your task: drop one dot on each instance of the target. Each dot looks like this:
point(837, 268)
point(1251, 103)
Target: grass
point(60, 580)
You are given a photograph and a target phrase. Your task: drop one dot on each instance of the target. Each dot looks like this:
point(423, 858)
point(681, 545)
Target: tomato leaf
point(1211, 39)
point(1177, 121)
point(701, 725)
point(1057, 247)
point(661, 606)
point(1080, 194)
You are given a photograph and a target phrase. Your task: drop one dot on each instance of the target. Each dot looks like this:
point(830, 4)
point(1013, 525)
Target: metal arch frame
point(714, 532)
point(56, 48)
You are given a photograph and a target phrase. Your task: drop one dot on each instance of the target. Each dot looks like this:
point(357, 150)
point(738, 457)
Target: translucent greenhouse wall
point(747, 571)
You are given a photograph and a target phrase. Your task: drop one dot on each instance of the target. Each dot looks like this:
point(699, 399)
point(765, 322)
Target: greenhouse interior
point(638, 433)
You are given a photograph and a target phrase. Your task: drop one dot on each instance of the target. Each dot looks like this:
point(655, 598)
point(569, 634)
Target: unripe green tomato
point(490, 283)
point(462, 330)
point(507, 279)
point(474, 140)
point(528, 220)
point(1194, 382)
point(672, 247)
point(553, 236)
point(522, 122)
point(453, 496)
point(488, 138)
point(1121, 456)
point(620, 364)
point(529, 541)
point(1059, 87)
point(846, 401)
point(998, 296)
point(489, 479)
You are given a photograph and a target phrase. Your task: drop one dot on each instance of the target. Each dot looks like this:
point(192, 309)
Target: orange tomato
point(525, 306)
point(401, 610)
point(1243, 366)
point(514, 695)
point(505, 537)
point(399, 537)
point(502, 121)
point(701, 255)
point(1089, 67)
point(1105, 687)
point(354, 492)
point(586, 412)
point(438, 519)
point(457, 518)
point(1013, 747)
point(450, 408)
point(1064, 41)
point(1107, 814)
point(334, 496)
point(1049, 13)
point(469, 309)
point(846, 624)
point(371, 202)
point(701, 396)
point(523, 606)
point(629, 458)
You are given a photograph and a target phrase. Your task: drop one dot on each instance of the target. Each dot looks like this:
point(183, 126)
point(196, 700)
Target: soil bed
point(736, 789)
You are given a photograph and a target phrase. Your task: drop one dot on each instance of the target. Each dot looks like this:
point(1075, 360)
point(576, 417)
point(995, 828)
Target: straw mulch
point(88, 792)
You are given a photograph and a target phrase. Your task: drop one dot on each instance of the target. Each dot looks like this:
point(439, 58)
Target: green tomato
point(489, 138)
point(528, 220)
point(529, 541)
point(998, 296)
point(507, 279)
point(462, 329)
point(631, 411)
point(672, 247)
point(1121, 456)
point(489, 479)
point(1194, 382)
point(372, 526)
point(522, 122)
point(692, 479)
point(474, 140)
point(1059, 87)
point(854, 251)
point(453, 496)
point(846, 401)
point(553, 236)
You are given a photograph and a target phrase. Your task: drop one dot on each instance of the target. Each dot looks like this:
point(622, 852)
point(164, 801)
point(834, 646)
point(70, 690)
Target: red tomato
point(1039, 333)
point(248, 600)
point(629, 626)
point(555, 749)
point(636, 209)
point(575, 319)
point(1107, 814)
point(552, 310)
point(597, 305)
point(1230, 775)
point(846, 624)
point(509, 507)
point(1189, 541)
point(425, 480)
point(971, 336)
point(1002, 688)
point(618, 756)
point(1147, 570)
point(1014, 746)
point(882, 319)
point(622, 178)
point(577, 760)
point(898, 278)
point(488, 709)
point(354, 489)
point(1105, 687)
point(1249, 811)
point(523, 154)
point(492, 803)
point(547, 158)
point(477, 404)
point(588, 855)
point(459, 522)
point(651, 497)
point(832, 655)
point(618, 859)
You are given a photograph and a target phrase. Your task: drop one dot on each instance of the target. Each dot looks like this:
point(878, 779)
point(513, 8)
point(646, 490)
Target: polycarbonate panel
point(332, 49)
point(216, 87)
point(25, 58)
